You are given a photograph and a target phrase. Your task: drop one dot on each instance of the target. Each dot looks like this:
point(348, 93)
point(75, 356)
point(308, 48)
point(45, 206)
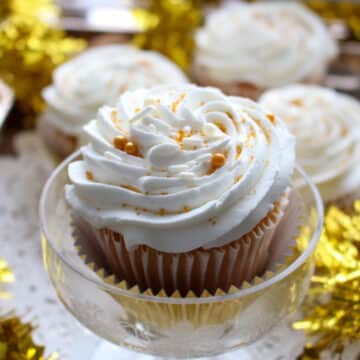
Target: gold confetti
point(6, 277)
point(169, 27)
point(30, 49)
point(332, 309)
point(16, 342)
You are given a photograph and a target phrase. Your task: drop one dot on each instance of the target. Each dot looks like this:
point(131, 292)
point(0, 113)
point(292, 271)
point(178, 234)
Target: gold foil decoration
point(6, 277)
point(168, 27)
point(16, 342)
point(332, 309)
point(30, 49)
point(345, 11)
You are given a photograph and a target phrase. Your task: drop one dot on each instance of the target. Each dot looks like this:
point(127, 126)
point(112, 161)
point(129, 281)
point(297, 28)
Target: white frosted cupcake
point(327, 128)
point(96, 77)
point(245, 49)
point(183, 187)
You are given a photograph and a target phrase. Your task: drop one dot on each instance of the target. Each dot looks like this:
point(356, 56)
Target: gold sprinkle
point(162, 212)
point(120, 142)
point(186, 208)
point(238, 178)
point(221, 126)
point(296, 102)
point(176, 103)
point(137, 110)
point(217, 161)
point(114, 116)
point(131, 148)
point(271, 117)
point(238, 150)
point(90, 175)
point(131, 188)
point(144, 63)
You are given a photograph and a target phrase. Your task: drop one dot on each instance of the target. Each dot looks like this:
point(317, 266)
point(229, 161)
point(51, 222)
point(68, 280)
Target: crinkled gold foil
point(345, 11)
point(168, 27)
point(16, 341)
point(332, 309)
point(30, 49)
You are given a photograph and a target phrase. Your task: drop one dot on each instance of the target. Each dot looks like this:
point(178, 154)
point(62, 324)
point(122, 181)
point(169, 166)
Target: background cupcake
point(327, 128)
point(182, 188)
point(245, 49)
point(94, 78)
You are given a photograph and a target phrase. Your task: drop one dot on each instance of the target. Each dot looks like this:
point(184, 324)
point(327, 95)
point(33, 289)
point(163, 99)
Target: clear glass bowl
point(168, 326)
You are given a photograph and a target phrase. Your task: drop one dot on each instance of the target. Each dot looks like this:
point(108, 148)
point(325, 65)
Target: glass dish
point(169, 327)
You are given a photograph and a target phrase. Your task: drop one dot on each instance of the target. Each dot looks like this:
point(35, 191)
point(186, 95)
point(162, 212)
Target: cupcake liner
point(160, 315)
point(58, 142)
point(243, 89)
point(199, 269)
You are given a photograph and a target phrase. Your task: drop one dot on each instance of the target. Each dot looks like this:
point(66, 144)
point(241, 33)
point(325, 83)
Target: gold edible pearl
point(218, 160)
point(120, 142)
point(131, 148)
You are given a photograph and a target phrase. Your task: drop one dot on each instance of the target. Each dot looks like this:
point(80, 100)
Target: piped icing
point(326, 125)
point(267, 44)
point(202, 170)
point(99, 76)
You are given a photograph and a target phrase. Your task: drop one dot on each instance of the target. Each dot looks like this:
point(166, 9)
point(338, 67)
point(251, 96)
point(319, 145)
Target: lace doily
point(21, 181)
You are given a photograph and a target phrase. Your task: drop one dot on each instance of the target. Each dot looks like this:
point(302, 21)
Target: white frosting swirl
point(327, 128)
point(170, 196)
point(99, 76)
point(267, 44)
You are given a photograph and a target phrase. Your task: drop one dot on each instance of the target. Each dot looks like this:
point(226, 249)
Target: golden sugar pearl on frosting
point(120, 142)
point(217, 161)
point(123, 144)
point(131, 148)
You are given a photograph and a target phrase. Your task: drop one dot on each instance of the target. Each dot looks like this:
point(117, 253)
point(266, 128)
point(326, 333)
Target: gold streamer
point(169, 27)
point(332, 309)
point(30, 50)
point(16, 341)
point(345, 11)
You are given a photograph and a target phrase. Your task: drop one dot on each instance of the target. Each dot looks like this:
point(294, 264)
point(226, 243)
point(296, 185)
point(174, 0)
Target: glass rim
point(183, 300)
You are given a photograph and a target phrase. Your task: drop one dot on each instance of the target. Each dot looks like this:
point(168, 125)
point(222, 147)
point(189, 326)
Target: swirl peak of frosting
point(179, 168)
point(267, 44)
point(326, 125)
point(99, 76)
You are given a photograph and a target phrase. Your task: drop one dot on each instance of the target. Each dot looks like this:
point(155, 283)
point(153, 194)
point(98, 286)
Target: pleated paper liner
point(241, 88)
point(169, 315)
point(196, 270)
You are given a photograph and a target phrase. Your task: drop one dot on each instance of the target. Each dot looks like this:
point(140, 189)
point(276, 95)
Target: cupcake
point(181, 188)
point(326, 125)
point(94, 78)
point(245, 49)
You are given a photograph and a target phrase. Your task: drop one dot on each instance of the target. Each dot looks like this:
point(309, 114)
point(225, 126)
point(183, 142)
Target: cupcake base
point(197, 270)
point(243, 89)
point(58, 142)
